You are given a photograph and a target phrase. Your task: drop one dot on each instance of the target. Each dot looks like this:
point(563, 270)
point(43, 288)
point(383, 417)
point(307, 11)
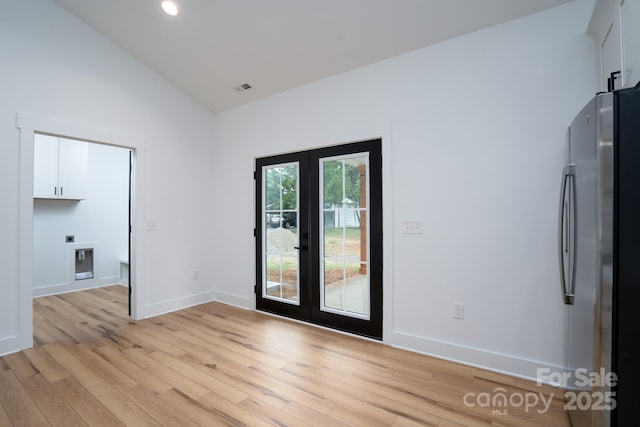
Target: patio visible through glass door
point(344, 278)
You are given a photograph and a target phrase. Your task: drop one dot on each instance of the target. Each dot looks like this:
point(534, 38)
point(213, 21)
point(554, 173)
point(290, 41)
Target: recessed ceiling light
point(170, 7)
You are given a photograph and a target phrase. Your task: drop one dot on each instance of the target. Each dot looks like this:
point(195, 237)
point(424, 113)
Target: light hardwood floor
point(218, 365)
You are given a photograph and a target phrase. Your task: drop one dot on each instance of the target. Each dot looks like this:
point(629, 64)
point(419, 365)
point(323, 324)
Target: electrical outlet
point(152, 225)
point(69, 239)
point(458, 311)
point(411, 227)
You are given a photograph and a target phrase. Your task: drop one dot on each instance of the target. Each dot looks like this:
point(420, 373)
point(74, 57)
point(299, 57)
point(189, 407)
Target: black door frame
point(129, 233)
point(309, 257)
point(302, 310)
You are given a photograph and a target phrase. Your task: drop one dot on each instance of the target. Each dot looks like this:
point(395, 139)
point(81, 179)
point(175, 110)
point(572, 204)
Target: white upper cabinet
point(45, 166)
point(60, 168)
point(616, 26)
point(631, 41)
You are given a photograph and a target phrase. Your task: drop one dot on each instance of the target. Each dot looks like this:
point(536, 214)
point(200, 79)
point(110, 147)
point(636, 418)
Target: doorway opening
point(81, 215)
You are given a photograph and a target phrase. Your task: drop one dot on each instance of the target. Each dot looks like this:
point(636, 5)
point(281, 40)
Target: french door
point(319, 236)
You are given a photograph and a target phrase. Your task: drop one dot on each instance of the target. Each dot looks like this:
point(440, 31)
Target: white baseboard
point(232, 299)
point(175, 304)
point(496, 362)
point(80, 285)
point(14, 343)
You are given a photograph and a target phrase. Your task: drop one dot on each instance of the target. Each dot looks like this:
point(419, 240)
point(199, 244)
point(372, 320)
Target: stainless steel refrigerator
point(599, 251)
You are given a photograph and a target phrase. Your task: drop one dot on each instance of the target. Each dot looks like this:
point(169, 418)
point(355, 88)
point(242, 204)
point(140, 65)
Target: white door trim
point(29, 124)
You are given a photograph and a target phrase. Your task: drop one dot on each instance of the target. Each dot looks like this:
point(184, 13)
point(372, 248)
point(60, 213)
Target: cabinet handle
point(55, 191)
point(61, 191)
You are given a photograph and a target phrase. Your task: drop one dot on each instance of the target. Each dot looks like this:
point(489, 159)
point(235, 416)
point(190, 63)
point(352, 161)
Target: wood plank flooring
point(218, 365)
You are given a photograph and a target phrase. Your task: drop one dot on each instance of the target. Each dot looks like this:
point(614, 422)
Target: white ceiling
point(213, 46)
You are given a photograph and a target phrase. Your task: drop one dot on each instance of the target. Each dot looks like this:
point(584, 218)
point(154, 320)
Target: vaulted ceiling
point(213, 46)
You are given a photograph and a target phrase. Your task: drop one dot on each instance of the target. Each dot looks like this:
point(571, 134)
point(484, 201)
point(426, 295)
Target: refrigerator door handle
point(573, 236)
point(567, 233)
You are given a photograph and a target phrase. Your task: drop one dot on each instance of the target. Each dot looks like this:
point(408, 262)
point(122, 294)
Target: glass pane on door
point(344, 287)
point(281, 278)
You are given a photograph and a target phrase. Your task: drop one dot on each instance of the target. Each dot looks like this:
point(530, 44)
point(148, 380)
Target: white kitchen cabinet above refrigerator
point(60, 168)
point(616, 26)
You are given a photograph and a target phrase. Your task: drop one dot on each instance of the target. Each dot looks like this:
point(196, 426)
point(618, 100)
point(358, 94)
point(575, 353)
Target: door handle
point(573, 236)
point(302, 248)
point(567, 227)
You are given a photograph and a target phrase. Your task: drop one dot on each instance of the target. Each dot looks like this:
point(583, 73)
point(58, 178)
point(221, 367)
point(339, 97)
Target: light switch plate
point(412, 227)
point(152, 225)
point(458, 311)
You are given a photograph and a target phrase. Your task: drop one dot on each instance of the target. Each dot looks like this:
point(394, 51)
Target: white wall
point(57, 69)
point(473, 132)
point(102, 217)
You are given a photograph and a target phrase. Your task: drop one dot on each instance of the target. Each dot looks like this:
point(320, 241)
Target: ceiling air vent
point(243, 87)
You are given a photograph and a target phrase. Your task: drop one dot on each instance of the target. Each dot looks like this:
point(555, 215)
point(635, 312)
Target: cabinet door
point(45, 157)
point(631, 41)
point(72, 169)
point(612, 52)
